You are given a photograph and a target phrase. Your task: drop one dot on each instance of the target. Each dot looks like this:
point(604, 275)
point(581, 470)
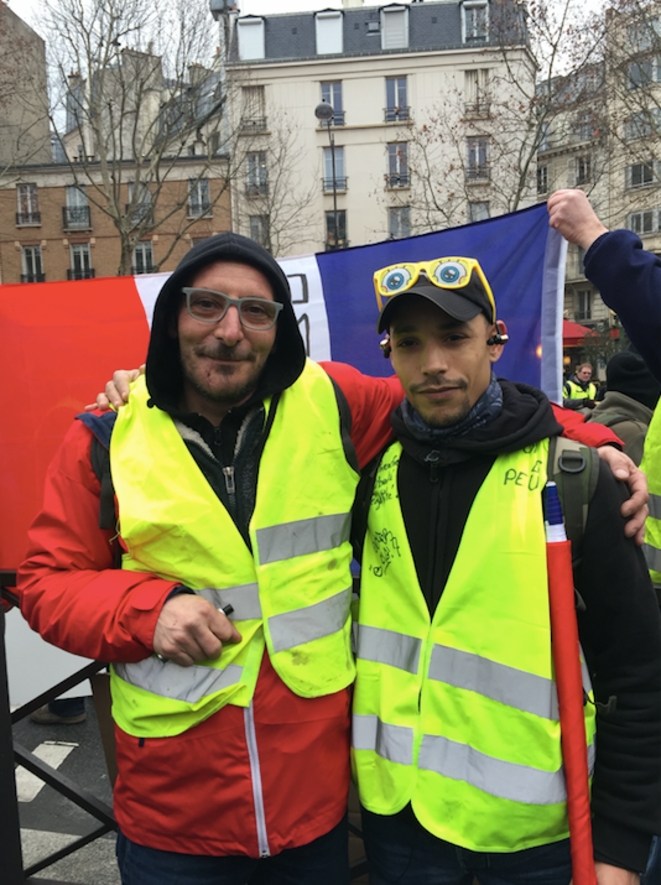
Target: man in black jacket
point(452, 779)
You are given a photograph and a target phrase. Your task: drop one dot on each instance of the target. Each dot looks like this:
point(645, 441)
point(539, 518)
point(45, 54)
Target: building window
point(139, 205)
point(251, 38)
point(542, 179)
point(478, 211)
point(328, 30)
point(584, 126)
point(28, 205)
point(260, 230)
point(199, 198)
point(340, 178)
point(583, 170)
point(642, 124)
point(394, 28)
point(331, 93)
point(475, 21)
point(399, 222)
point(336, 239)
point(257, 184)
point(477, 160)
point(76, 213)
point(643, 73)
point(640, 174)
point(31, 265)
point(143, 258)
point(398, 170)
point(583, 305)
point(396, 104)
point(81, 262)
point(644, 223)
point(644, 35)
point(476, 91)
point(253, 109)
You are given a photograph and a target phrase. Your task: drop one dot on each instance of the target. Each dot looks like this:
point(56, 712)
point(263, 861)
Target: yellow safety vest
point(576, 391)
point(651, 467)
point(291, 594)
point(457, 713)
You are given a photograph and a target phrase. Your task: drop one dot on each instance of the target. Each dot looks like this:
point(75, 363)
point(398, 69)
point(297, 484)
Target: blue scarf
point(485, 409)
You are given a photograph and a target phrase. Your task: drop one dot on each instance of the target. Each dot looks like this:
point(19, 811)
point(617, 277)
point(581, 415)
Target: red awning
point(573, 333)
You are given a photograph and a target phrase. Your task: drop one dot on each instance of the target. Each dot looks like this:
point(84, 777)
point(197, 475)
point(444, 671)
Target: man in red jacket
point(260, 783)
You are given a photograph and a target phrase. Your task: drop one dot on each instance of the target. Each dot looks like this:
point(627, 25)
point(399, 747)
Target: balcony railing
point(257, 189)
point(142, 268)
point(479, 172)
point(330, 246)
point(340, 183)
point(397, 115)
point(479, 108)
point(74, 217)
point(253, 124)
point(80, 273)
point(398, 179)
point(28, 218)
point(33, 278)
point(141, 212)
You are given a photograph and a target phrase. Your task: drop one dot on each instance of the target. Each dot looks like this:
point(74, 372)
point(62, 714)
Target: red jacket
point(193, 793)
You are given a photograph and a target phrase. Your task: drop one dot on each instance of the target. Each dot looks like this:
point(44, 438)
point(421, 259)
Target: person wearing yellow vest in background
point(456, 737)
point(234, 467)
point(579, 390)
point(629, 281)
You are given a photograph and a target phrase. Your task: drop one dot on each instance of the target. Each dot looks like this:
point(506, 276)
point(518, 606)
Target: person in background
point(628, 278)
point(580, 390)
point(632, 393)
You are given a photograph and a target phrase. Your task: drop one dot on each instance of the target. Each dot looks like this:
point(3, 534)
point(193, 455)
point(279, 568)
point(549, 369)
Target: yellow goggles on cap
point(446, 273)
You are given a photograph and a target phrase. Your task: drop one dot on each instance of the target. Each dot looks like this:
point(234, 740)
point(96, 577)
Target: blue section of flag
point(512, 250)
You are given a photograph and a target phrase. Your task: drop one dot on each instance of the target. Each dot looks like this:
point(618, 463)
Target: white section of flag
point(53, 753)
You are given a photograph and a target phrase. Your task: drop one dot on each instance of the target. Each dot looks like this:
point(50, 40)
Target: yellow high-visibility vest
point(291, 594)
point(575, 391)
point(651, 467)
point(457, 713)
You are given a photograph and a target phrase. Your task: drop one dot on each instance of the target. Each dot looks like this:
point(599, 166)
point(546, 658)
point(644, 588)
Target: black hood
point(286, 360)
point(525, 418)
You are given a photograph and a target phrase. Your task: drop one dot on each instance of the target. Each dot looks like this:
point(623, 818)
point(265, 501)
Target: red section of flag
point(566, 659)
point(59, 344)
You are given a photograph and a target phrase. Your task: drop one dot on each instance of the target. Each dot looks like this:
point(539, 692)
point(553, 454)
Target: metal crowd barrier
point(12, 753)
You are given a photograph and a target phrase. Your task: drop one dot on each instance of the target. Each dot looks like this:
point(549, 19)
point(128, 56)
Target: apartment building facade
point(411, 86)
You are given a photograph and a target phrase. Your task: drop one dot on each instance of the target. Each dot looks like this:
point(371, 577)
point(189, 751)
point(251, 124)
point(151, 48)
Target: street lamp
point(324, 113)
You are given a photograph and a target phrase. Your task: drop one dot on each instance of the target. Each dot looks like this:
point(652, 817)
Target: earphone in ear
point(501, 336)
point(385, 346)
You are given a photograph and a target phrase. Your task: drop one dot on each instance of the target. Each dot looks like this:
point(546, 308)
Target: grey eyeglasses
point(210, 307)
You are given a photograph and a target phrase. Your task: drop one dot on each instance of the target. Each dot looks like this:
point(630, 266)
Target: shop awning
point(573, 333)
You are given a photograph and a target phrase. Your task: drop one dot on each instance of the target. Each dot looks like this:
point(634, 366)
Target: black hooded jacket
point(236, 444)
point(620, 628)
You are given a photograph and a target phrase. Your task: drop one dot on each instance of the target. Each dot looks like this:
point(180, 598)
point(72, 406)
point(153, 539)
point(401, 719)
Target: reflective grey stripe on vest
point(506, 780)
point(388, 647)
point(312, 622)
point(652, 557)
point(654, 505)
point(244, 598)
point(302, 537)
point(392, 742)
point(515, 688)
point(169, 680)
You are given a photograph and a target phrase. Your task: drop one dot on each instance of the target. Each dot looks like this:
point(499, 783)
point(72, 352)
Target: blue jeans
point(399, 850)
point(652, 875)
point(325, 861)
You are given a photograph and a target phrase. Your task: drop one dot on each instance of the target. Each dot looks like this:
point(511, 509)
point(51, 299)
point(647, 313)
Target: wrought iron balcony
point(398, 179)
point(397, 115)
point(80, 273)
point(478, 172)
point(27, 218)
point(253, 124)
point(341, 182)
point(75, 217)
point(33, 278)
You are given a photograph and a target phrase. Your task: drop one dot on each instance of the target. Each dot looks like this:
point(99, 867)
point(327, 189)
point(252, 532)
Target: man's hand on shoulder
point(635, 509)
point(571, 214)
point(117, 390)
point(190, 629)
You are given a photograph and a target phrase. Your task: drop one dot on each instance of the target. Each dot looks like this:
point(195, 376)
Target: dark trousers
point(401, 851)
point(325, 861)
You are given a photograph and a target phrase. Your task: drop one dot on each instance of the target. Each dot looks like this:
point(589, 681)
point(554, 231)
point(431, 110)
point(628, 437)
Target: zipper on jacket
point(256, 778)
point(432, 459)
point(230, 485)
